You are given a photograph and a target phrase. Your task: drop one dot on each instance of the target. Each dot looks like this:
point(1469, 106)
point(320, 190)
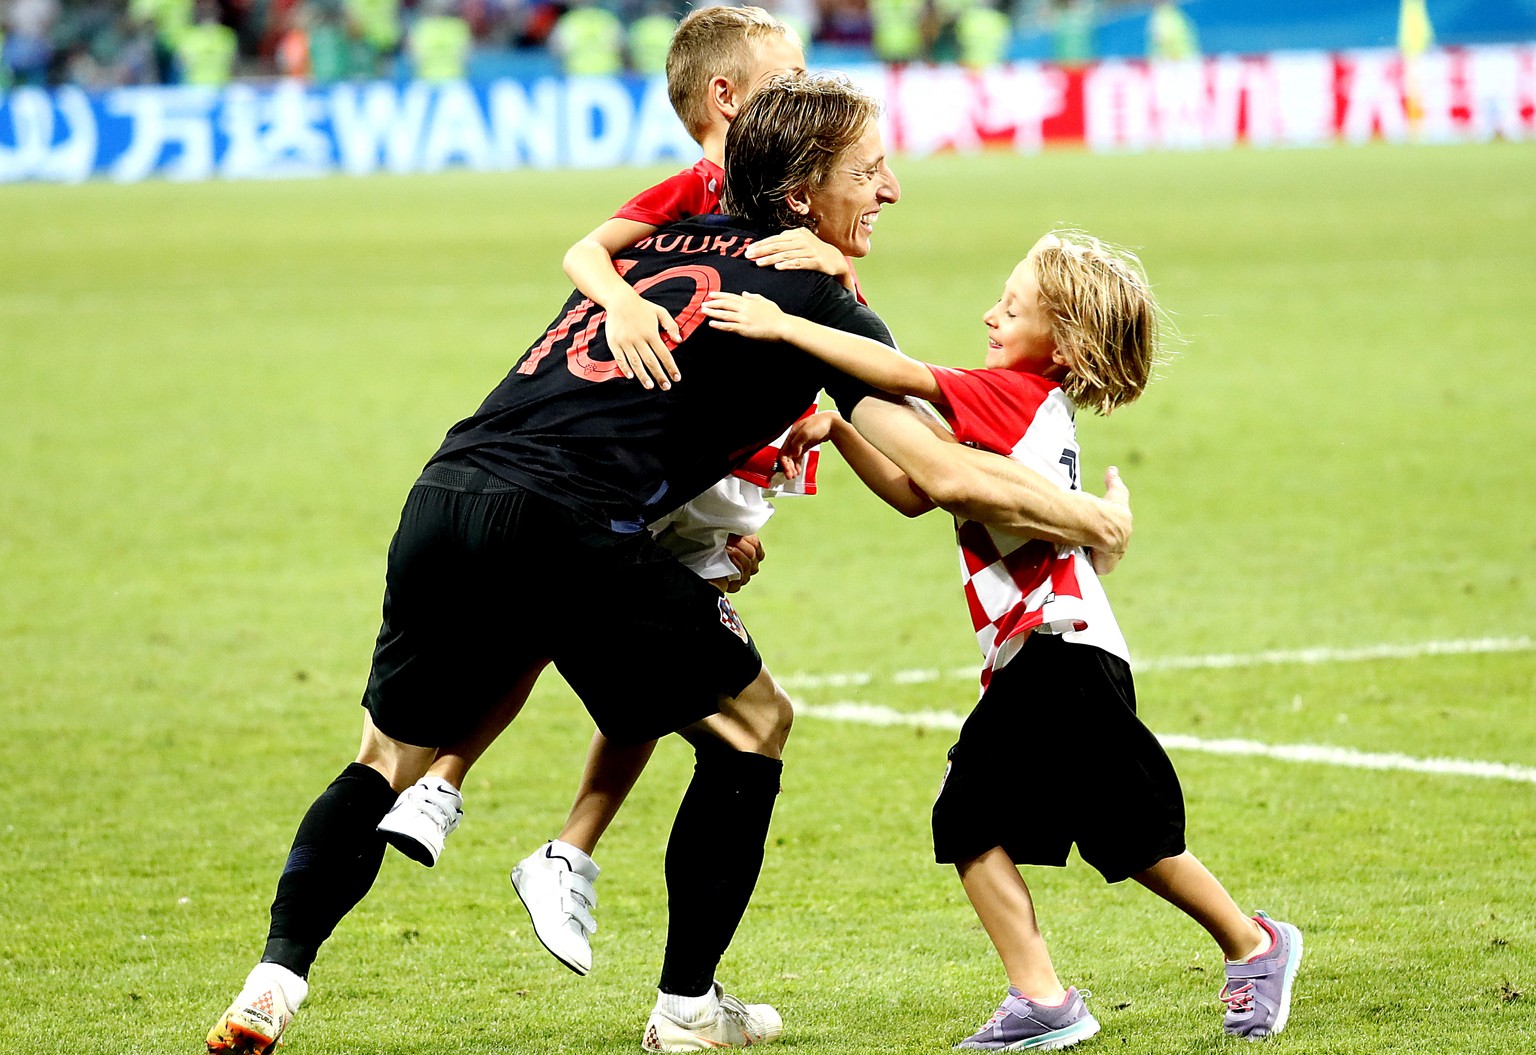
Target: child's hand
point(747, 553)
point(803, 435)
point(1115, 491)
point(748, 314)
point(797, 249)
point(633, 331)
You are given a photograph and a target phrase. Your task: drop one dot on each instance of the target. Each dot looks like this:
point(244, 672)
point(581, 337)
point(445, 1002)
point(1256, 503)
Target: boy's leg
point(1262, 954)
point(556, 881)
point(428, 811)
point(1185, 883)
point(1037, 1012)
point(731, 796)
point(1001, 899)
point(333, 862)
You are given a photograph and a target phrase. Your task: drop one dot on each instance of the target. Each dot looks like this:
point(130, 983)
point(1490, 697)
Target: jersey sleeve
point(990, 409)
point(671, 200)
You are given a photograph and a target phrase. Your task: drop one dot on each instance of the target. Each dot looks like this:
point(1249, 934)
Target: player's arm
point(978, 485)
point(797, 249)
point(878, 473)
point(871, 362)
point(634, 326)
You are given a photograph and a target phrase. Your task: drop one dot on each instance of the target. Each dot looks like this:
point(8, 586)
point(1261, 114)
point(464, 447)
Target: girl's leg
point(1185, 883)
point(1007, 912)
point(453, 763)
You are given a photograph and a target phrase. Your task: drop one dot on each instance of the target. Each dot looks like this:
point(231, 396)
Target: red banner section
point(1277, 99)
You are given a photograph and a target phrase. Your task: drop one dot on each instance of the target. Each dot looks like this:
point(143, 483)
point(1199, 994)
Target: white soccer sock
point(581, 861)
point(688, 1008)
point(267, 975)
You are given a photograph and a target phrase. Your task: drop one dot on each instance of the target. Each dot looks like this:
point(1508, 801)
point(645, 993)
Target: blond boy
point(1076, 326)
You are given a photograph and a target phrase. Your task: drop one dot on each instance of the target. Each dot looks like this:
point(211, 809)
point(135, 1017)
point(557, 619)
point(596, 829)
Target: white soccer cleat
point(255, 1022)
point(724, 1023)
point(556, 885)
point(421, 819)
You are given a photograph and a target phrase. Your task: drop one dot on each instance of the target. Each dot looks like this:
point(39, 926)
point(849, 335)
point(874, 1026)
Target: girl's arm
point(634, 325)
point(879, 473)
point(887, 369)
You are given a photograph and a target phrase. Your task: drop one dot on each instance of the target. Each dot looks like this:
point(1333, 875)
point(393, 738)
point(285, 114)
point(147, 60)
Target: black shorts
point(1053, 755)
point(486, 579)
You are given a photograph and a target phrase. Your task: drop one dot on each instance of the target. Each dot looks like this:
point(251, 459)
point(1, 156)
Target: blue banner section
point(247, 131)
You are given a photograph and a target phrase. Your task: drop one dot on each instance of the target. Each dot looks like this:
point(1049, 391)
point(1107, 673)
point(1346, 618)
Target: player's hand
point(747, 314)
point(797, 249)
point(637, 332)
point(1116, 493)
point(747, 553)
point(803, 435)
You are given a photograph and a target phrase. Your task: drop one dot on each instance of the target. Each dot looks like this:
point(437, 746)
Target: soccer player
point(525, 538)
point(717, 56)
point(1076, 326)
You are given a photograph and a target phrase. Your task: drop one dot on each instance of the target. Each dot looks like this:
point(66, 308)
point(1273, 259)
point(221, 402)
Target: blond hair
point(791, 136)
point(1104, 318)
point(714, 42)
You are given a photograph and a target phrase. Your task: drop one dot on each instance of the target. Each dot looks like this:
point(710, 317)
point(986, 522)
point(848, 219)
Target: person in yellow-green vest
point(1171, 36)
point(650, 37)
point(207, 49)
point(983, 35)
point(1072, 30)
point(898, 29)
point(377, 24)
point(170, 19)
point(1415, 36)
point(589, 39)
point(439, 44)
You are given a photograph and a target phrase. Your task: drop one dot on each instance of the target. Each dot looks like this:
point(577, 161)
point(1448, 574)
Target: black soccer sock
point(335, 858)
point(729, 800)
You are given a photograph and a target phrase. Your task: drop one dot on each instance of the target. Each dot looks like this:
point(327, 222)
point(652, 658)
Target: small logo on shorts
point(730, 620)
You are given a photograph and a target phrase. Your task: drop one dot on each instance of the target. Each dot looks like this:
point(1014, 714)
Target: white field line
point(1220, 661)
point(870, 714)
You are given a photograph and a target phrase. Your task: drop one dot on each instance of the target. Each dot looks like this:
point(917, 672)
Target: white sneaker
point(421, 819)
point(724, 1023)
point(555, 884)
point(254, 1023)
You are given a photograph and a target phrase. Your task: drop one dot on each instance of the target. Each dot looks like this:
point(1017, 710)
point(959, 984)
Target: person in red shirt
point(1076, 325)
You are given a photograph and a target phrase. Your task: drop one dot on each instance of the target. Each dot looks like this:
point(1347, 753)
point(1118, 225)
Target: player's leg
point(429, 810)
point(735, 784)
point(557, 881)
point(332, 864)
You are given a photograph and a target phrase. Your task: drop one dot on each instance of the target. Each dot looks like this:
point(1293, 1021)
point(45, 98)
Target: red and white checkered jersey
point(1015, 584)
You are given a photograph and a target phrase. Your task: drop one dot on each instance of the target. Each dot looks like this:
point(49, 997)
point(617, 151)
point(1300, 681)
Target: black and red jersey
point(566, 424)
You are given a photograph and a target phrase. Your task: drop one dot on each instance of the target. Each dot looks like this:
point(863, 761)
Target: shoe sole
point(412, 848)
point(1054, 1041)
point(1292, 966)
point(235, 1039)
point(576, 967)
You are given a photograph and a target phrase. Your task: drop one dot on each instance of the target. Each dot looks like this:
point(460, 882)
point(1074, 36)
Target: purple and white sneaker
point(1258, 991)
point(1021, 1024)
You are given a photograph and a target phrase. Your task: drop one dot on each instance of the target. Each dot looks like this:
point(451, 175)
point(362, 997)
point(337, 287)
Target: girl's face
point(1019, 330)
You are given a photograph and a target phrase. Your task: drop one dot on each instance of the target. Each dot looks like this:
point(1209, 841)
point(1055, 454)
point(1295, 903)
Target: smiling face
point(848, 201)
point(1019, 328)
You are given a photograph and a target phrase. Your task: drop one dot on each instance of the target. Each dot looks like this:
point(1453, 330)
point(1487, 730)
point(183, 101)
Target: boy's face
point(847, 204)
point(1019, 330)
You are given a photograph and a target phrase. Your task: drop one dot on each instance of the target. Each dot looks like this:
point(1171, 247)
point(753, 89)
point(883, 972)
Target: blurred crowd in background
point(101, 44)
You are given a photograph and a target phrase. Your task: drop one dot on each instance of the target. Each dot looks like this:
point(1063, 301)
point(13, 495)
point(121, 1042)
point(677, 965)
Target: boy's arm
point(879, 473)
point(634, 326)
point(978, 485)
point(876, 364)
point(797, 249)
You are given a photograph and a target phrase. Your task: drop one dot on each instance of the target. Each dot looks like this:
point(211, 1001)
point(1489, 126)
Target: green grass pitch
point(213, 398)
